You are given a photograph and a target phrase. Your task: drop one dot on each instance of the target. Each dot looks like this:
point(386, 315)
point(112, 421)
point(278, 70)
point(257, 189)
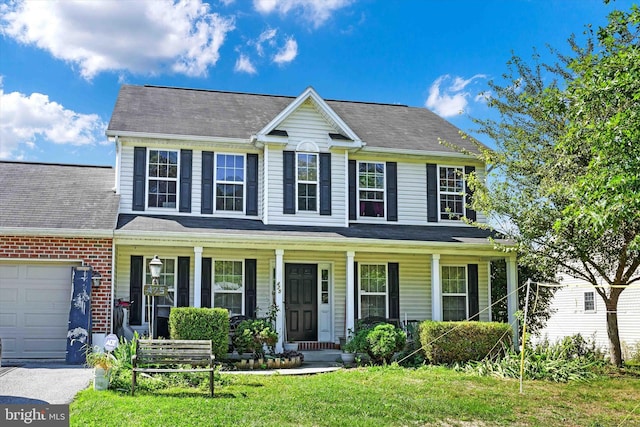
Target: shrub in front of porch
point(191, 323)
point(459, 342)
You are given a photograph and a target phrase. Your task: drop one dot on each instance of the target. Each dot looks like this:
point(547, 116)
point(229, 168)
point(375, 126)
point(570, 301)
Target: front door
point(301, 301)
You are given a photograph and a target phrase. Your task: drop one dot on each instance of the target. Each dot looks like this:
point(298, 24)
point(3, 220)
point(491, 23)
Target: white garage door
point(34, 310)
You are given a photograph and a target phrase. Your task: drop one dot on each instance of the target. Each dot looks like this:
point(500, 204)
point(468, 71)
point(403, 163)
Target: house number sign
point(155, 290)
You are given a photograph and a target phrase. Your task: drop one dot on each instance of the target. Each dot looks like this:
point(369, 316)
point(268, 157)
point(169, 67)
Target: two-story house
point(329, 211)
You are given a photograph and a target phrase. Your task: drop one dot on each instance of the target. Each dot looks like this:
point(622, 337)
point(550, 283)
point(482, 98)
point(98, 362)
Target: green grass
point(370, 397)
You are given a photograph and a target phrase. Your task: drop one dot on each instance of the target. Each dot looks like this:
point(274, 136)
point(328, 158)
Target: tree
point(566, 169)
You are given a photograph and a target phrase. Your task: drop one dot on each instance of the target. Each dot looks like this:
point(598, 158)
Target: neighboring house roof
point(216, 114)
point(245, 227)
point(54, 196)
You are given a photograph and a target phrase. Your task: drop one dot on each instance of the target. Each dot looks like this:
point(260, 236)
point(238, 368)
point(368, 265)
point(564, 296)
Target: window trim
point(148, 178)
point(316, 182)
point(145, 270)
point(243, 183)
point(584, 302)
point(457, 294)
point(383, 190)
point(386, 287)
point(213, 284)
point(462, 194)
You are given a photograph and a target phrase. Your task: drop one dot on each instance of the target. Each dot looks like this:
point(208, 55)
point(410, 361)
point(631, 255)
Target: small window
point(371, 186)
point(307, 176)
point(229, 187)
point(162, 179)
point(454, 293)
point(373, 290)
point(451, 186)
point(228, 286)
point(589, 302)
point(324, 285)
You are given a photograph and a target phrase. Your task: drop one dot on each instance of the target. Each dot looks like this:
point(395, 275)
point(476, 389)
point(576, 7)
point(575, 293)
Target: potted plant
point(353, 344)
point(291, 346)
point(102, 362)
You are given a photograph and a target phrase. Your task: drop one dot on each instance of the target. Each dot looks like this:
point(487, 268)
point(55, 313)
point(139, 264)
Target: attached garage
point(34, 309)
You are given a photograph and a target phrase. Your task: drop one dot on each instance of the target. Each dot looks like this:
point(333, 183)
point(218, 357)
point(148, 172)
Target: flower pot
point(348, 358)
point(101, 378)
point(291, 346)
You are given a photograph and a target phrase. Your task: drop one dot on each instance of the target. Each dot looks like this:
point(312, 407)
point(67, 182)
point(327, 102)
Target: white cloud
point(267, 35)
point(315, 11)
point(288, 52)
point(29, 120)
point(244, 65)
point(447, 95)
point(142, 36)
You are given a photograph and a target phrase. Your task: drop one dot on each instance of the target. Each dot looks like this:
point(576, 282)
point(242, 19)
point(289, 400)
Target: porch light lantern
point(155, 267)
point(96, 278)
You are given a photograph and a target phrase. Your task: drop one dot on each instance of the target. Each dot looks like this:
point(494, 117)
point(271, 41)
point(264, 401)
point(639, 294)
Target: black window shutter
point(356, 292)
point(250, 282)
point(394, 290)
point(470, 213)
point(136, 273)
point(206, 199)
point(392, 191)
point(432, 192)
point(289, 182)
point(205, 287)
point(186, 157)
point(353, 191)
point(139, 178)
point(325, 183)
point(252, 184)
point(183, 281)
point(474, 298)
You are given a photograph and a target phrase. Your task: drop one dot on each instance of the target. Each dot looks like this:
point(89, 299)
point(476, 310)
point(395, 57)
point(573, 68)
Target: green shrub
point(253, 334)
point(383, 341)
point(190, 323)
point(459, 342)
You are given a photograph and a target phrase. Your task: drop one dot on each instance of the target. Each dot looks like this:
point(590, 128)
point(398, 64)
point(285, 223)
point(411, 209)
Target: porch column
point(512, 297)
point(350, 297)
point(197, 277)
point(436, 288)
point(280, 299)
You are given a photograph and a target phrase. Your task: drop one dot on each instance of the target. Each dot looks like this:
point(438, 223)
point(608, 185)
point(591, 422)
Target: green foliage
point(253, 334)
point(383, 341)
point(100, 359)
point(571, 359)
point(458, 342)
point(190, 323)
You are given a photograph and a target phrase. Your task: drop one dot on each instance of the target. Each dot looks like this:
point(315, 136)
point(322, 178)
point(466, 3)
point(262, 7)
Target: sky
point(63, 62)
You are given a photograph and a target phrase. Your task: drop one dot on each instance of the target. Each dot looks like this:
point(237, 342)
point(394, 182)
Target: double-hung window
point(162, 179)
point(307, 175)
point(371, 186)
point(454, 293)
point(167, 278)
point(373, 290)
point(229, 182)
point(589, 302)
point(451, 189)
point(228, 286)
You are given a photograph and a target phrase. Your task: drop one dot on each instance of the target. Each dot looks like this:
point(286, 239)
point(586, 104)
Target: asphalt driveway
point(52, 383)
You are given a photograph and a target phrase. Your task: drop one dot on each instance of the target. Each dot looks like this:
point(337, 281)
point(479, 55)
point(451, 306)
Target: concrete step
point(321, 355)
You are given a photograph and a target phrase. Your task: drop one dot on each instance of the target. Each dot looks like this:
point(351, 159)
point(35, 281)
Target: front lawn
point(370, 397)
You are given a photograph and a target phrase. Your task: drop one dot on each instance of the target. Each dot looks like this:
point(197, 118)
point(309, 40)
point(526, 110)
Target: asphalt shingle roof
point(37, 195)
point(204, 113)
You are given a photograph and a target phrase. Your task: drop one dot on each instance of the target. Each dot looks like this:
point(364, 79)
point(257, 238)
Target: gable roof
point(57, 197)
point(165, 111)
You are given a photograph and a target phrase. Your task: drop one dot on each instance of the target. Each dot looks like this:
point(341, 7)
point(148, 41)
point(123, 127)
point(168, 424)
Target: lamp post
point(155, 267)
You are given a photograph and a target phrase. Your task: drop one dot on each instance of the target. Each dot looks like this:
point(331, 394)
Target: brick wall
point(93, 251)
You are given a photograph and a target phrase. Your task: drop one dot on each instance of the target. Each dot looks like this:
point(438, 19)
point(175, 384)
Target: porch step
point(321, 355)
point(315, 345)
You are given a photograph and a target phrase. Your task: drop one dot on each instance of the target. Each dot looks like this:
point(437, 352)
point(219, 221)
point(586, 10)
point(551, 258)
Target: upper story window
point(373, 290)
point(589, 302)
point(371, 187)
point(307, 176)
point(162, 179)
point(229, 182)
point(228, 286)
point(454, 293)
point(451, 186)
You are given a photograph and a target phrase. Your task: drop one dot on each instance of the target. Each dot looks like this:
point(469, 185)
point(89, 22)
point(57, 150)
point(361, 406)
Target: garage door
point(34, 310)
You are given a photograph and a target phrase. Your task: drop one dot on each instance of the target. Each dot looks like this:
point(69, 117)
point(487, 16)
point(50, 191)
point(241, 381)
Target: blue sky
point(62, 63)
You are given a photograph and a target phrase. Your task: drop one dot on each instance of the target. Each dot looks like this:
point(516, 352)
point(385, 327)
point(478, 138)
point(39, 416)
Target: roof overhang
point(56, 232)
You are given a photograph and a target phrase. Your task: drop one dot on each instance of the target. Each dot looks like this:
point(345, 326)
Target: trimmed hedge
point(191, 323)
point(460, 342)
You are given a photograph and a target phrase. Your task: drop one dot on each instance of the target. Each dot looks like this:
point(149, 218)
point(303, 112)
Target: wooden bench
point(158, 356)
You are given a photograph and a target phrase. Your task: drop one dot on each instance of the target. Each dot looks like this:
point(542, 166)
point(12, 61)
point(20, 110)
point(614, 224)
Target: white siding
point(306, 124)
point(126, 179)
point(412, 193)
point(196, 182)
point(570, 317)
